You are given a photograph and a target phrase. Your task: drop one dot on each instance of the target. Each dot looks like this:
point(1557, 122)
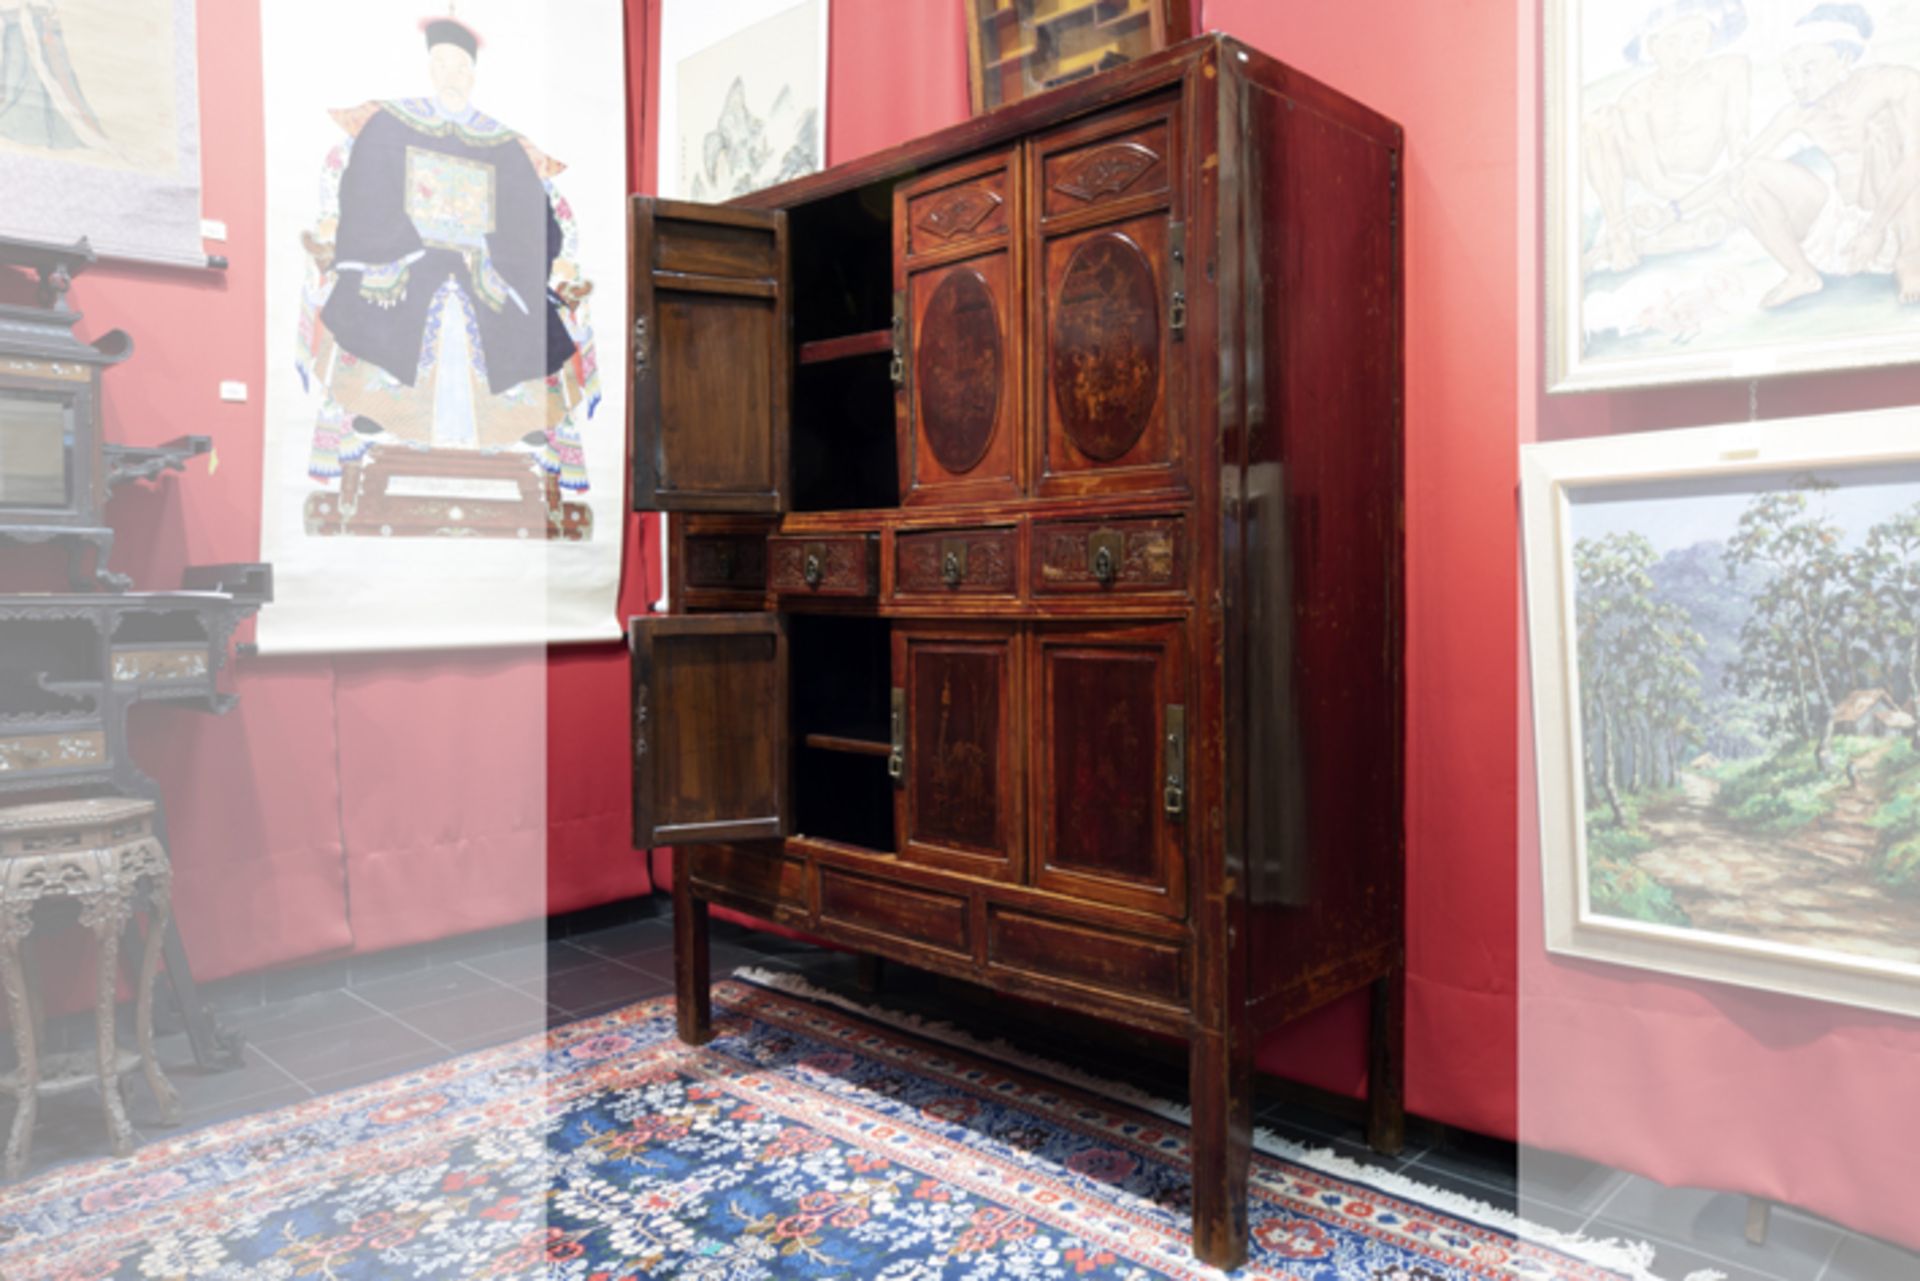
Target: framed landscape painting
point(1725, 635)
point(1730, 188)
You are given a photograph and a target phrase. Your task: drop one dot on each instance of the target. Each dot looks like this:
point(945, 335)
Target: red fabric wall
point(368, 801)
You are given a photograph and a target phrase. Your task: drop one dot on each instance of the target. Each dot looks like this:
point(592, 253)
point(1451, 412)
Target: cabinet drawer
point(839, 565)
point(79, 748)
point(161, 664)
point(961, 207)
point(1133, 968)
point(727, 562)
point(1131, 555)
point(955, 562)
point(920, 918)
point(1120, 163)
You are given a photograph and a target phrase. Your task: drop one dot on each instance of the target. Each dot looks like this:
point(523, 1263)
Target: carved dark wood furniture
point(1036, 564)
point(102, 854)
point(56, 472)
point(72, 666)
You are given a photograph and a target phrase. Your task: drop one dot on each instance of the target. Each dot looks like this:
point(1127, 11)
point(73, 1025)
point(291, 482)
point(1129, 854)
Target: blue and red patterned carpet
point(805, 1141)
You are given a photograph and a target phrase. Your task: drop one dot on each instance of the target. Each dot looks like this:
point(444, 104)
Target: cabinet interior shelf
point(852, 746)
point(875, 342)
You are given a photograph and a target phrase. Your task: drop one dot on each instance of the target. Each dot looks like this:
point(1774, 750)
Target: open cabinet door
point(712, 358)
point(709, 728)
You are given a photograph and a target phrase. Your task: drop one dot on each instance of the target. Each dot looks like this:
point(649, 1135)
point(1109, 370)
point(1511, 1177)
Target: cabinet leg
point(119, 1129)
point(27, 1050)
point(1387, 1065)
point(1221, 1081)
point(693, 988)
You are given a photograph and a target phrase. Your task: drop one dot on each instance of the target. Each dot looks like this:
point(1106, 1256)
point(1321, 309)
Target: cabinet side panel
point(1324, 557)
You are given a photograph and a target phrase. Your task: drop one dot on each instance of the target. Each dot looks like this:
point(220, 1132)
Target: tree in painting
point(1751, 744)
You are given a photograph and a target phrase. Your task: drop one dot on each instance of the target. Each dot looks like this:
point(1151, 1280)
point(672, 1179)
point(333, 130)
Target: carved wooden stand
point(102, 854)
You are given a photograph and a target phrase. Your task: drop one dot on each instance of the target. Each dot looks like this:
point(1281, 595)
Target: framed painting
point(1725, 635)
point(743, 95)
point(1729, 191)
point(1018, 48)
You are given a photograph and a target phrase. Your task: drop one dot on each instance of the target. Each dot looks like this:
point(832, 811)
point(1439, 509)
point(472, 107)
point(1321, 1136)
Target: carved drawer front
point(726, 562)
point(1124, 965)
point(1095, 557)
point(1111, 787)
point(752, 874)
point(43, 753)
point(845, 566)
point(956, 562)
point(1110, 163)
point(920, 918)
point(958, 805)
point(957, 208)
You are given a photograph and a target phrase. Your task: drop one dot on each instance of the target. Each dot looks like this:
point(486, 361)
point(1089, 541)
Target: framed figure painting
point(1725, 636)
point(1733, 189)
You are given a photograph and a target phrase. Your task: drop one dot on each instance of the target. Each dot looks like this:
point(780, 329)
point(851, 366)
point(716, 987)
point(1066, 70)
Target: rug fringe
point(1632, 1259)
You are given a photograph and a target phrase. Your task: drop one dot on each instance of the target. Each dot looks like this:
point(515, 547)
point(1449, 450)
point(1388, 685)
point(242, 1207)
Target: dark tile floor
point(327, 1027)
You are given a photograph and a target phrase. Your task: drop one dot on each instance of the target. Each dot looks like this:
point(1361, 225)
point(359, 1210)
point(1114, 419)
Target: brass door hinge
point(897, 370)
point(1176, 788)
point(897, 753)
point(1177, 281)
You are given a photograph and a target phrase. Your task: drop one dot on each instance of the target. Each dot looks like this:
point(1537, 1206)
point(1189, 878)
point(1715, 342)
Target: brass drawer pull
point(953, 561)
point(1104, 550)
point(811, 568)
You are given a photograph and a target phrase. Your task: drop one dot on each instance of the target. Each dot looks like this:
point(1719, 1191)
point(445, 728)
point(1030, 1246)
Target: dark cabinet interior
point(992, 644)
point(840, 730)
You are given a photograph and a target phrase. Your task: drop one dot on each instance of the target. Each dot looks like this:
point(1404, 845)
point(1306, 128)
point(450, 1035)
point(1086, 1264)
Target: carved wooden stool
point(103, 854)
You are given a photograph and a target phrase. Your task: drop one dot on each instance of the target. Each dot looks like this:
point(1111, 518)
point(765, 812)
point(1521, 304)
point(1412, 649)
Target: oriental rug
point(806, 1140)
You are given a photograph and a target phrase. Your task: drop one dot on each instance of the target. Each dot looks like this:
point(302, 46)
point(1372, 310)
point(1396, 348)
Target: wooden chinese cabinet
point(1036, 564)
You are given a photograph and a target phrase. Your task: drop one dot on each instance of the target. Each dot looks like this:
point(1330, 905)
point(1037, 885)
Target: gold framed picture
point(1019, 48)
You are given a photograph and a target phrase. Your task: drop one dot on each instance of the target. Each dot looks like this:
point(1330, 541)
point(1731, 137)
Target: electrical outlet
point(213, 229)
point(233, 391)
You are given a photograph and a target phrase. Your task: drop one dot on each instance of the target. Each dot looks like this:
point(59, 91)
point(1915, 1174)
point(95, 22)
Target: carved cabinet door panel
point(1108, 305)
point(711, 358)
point(1109, 787)
point(958, 806)
point(957, 272)
point(710, 732)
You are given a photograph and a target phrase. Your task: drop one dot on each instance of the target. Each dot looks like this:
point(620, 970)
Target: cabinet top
point(1205, 58)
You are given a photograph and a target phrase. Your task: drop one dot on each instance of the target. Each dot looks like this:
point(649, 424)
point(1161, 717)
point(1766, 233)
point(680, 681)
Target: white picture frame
point(767, 58)
point(1657, 266)
point(1752, 910)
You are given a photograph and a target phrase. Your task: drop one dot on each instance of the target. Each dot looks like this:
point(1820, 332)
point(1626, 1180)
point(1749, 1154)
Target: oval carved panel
point(958, 370)
point(1106, 346)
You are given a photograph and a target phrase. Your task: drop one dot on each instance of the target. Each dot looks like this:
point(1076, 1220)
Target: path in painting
point(1813, 889)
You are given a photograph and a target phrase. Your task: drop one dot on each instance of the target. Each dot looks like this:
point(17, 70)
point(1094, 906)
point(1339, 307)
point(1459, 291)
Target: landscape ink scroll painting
point(1734, 188)
point(1736, 759)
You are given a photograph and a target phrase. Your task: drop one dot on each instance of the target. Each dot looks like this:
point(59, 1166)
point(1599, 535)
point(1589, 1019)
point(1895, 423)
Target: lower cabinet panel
point(919, 918)
point(1138, 969)
point(760, 874)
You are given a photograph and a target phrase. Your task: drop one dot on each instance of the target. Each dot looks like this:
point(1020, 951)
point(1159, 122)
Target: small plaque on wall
point(1019, 48)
